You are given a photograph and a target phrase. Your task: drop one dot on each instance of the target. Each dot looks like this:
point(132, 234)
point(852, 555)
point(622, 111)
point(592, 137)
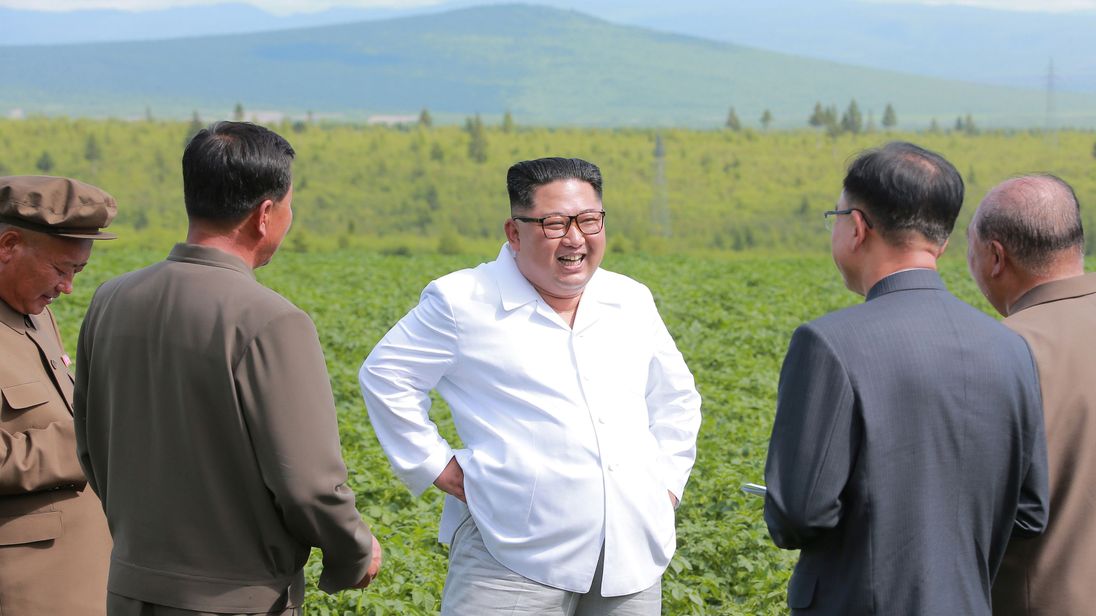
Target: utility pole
point(1050, 130)
point(660, 205)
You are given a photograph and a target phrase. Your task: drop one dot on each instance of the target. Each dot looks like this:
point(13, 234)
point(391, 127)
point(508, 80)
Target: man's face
point(980, 263)
point(841, 239)
point(560, 267)
point(36, 268)
point(281, 217)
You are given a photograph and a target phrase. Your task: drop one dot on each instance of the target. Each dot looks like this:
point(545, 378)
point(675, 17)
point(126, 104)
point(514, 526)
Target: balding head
point(1036, 218)
point(1026, 232)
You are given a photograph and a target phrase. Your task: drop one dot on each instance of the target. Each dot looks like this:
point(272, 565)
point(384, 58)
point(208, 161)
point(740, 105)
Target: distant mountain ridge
point(547, 66)
point(940, 40)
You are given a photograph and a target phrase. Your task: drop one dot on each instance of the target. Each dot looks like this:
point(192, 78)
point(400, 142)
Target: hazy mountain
point(548, 66)
point(956, 42)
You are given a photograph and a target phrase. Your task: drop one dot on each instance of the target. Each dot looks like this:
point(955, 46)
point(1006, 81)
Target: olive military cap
point(57, 206)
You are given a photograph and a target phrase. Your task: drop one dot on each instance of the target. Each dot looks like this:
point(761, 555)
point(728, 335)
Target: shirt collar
point(907, 280)
point(14, 319)
point(1055, 290)
point(515, 289)
point(207, 255)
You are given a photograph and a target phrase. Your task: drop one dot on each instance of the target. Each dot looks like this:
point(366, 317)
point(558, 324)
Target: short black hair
point(525, 177)
point(1035, 217)
point(230, 168)
point(906, 188)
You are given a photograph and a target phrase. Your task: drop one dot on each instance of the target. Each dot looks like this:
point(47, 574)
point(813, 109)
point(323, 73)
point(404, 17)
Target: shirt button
point(53, 362)
point(601, 420)
point(613, 467)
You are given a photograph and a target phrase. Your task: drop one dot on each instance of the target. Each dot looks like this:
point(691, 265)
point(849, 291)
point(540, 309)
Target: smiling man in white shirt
point(577, 413)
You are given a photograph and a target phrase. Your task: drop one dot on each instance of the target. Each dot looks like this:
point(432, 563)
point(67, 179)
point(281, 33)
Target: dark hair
point(906, 188)
point(232, 167)
point(525, 177)
point(1035, 218)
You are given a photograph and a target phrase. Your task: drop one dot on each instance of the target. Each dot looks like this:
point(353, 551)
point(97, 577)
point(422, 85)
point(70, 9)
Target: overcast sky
point(298, 6)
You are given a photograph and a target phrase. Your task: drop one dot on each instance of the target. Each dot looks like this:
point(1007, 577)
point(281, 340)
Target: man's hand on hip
point(451, 480)
point(374, 565)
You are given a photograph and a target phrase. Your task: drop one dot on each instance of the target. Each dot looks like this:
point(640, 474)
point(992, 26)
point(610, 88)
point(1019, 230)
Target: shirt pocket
point(26, 396)
point(30, 528)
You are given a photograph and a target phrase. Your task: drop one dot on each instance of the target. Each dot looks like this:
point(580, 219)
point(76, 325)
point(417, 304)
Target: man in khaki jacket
point(54, 542)
point(204, 414)
point(1026, 252)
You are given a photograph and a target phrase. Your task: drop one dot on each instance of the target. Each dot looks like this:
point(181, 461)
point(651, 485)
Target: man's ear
point(260, 218)
point(859, 230)
point(10, 240)
point(1000, 258)
point(940, 250)
point(511, 229)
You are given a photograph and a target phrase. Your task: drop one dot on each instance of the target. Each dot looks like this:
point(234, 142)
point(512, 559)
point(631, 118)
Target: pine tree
point(890, 119)
point(238, 113)
point(425, 120)
point(92, 152)
point(477, 143)
point(852, 121)
point(195, 125)
point(766, 119)
point(968, 125)
point(934, 126)
point(45, 162)
point(733, 122)
point(818, 116)
point(507, 122)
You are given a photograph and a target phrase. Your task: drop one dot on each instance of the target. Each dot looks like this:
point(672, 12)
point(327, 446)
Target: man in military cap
point(54, 542)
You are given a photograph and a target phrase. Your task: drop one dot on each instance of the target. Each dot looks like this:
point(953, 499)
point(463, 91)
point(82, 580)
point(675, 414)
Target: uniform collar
point(15, 319)
point(1055, 290)
point(907, 280)
point(207, 255)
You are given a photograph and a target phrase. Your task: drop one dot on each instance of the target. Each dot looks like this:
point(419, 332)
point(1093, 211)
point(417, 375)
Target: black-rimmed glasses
point(826, 220)
point(556, 226)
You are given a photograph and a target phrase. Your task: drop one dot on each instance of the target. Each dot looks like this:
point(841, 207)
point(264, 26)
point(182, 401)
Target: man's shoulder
point(201, 287)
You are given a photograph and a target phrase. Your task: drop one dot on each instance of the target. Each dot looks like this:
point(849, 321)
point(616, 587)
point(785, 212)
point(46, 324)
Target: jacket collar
point(14, 319)
point(1055, 290)
point(206, 255)
point(907, 280)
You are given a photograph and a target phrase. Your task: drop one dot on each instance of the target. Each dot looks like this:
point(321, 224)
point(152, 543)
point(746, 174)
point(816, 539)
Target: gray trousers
point(478, 585)
point(117, 605)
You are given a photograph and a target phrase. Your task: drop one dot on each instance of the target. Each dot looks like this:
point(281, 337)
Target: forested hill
point(547, 66)
point(443, 188)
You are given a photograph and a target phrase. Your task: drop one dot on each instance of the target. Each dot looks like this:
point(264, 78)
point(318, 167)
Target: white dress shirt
point(572, 436)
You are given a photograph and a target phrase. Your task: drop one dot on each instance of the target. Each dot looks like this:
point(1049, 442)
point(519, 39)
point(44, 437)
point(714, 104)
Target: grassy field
point(732, 317)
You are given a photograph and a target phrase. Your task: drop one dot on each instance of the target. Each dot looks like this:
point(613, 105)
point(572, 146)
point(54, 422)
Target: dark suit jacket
point(1055, 574)
point(908, 446)
point(206, 424)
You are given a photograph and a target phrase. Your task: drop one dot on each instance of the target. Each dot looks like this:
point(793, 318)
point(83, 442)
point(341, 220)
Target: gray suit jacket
point(1055, 574)
point(908, 447)
point(206, 424)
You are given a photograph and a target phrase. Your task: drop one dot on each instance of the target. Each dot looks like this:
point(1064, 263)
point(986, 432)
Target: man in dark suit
point(1026, 251)
point(908, 443)
point(204, 414)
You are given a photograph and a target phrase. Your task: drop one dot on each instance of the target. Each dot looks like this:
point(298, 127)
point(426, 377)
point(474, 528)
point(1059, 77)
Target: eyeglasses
point(826, 220)
point(556, 226)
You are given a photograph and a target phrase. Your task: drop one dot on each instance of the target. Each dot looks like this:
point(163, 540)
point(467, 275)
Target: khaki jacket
point(205, 422)
point(1055, 574)
point(54, 542)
